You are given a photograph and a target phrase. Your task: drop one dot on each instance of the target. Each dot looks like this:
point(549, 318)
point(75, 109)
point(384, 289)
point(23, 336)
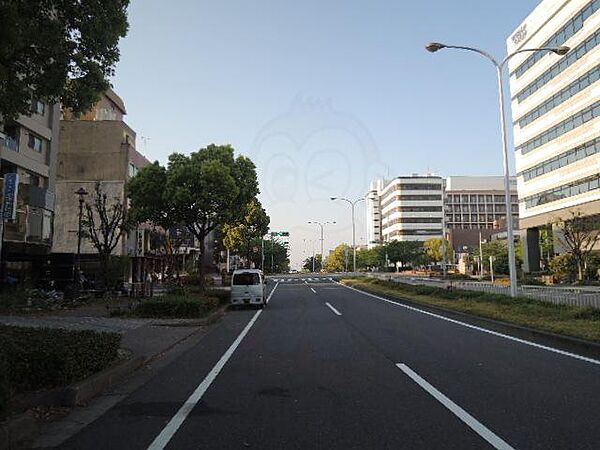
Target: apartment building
point(556, 114)
point(476, 207)
point(29, 147)
point(98, 147)
point(407, 208)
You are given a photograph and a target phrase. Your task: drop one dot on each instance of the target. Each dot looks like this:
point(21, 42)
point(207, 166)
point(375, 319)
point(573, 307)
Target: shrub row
point(36, 358)
point(176, 307)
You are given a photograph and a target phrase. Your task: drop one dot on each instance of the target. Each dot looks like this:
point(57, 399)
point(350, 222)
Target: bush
point(36, 358)
point(564, 268)
point(180, 307)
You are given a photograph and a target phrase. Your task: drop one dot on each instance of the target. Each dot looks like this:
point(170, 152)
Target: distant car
point(293, 271)
point(248, 287)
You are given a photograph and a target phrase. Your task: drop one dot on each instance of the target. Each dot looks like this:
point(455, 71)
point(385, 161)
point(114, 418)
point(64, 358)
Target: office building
point(476, 207)
point(407, 208)
point(29, 147)
point(556, 114)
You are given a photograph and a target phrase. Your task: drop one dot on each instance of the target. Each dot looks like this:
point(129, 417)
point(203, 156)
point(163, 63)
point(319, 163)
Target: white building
point(405, 209)
point(556, 113)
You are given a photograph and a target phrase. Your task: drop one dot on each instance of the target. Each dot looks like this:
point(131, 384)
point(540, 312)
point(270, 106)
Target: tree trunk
point(201, 281)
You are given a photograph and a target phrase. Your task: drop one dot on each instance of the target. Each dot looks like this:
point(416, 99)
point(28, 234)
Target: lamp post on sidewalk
point(322, 226)
point(500, 65)
point(81, 192)
point(352, 206)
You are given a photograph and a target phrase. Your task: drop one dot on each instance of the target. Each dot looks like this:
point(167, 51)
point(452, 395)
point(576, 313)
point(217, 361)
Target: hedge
point(37, 358)
point(176, 307)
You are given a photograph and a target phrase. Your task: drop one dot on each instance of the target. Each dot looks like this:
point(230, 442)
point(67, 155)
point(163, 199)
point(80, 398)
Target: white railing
point(572, 296)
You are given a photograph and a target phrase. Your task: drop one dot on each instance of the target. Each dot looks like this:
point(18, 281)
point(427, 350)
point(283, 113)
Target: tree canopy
point(340, 259)
point(58, 51)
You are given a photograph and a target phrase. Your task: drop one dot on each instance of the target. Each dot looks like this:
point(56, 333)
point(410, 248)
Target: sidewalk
point(143, 337)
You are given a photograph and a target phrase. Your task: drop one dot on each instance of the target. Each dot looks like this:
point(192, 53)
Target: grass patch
point(37, 358)
point(561, 319)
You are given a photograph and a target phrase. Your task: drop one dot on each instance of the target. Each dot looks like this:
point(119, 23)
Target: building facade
point(406, 208)
point(29, 148)
point(556, 114)
point(98, 147)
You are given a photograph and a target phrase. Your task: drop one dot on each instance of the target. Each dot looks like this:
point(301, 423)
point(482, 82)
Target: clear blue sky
point(322, 95)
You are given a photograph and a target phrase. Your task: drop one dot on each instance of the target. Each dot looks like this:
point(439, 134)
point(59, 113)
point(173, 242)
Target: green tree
point(564, 268)
point(340, 259)
point(308, 263)
point(201, 191)
point(370, 258)
point(434, 248)
point(58, 51)
point(405, 252)
point(280, 263)
point(580, 234)
point(499, 251)
point(254, 225)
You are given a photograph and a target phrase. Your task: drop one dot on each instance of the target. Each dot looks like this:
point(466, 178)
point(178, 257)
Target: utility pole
point(480, 258)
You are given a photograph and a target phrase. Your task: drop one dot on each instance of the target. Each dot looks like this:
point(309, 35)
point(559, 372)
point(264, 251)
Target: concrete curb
point(566, 339)
point(208, 320)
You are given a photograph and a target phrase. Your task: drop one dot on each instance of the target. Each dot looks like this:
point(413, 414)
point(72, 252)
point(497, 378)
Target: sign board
point(139, 242)
point(280, 233)
point(9, 202)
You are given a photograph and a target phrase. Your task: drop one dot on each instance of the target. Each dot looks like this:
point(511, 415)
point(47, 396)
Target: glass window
point(246, 279)
point(35, 143)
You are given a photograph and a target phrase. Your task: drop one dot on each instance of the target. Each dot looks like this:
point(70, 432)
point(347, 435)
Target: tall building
point(406, 208)
point(98, 147)
point(556, 114)
point(29, 147)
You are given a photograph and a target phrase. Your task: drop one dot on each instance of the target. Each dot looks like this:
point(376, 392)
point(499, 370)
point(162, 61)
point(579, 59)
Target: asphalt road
point(324, 366)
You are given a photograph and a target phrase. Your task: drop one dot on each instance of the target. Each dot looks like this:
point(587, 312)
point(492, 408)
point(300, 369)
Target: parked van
point(248, 287)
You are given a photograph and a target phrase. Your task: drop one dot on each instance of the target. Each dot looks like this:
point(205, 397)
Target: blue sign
point(11, 189)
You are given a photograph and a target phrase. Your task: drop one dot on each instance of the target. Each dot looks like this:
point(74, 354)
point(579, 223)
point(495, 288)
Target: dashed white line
point(314, 292)
point(463, 415)
point(335, 311)
point(161, 441)
point(474, 327)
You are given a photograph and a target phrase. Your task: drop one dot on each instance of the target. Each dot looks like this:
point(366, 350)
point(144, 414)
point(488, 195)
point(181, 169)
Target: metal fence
point(573, 296)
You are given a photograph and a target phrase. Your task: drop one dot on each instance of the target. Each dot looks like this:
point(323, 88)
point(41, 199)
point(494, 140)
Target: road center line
point(463, 415)
point(474, 327)
point(335, 311)
point(161, 441)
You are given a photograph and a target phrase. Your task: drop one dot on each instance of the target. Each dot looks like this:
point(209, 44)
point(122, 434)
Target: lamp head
point(433, 47)
point(562, 50)
point(81, 192)
point(333, 198)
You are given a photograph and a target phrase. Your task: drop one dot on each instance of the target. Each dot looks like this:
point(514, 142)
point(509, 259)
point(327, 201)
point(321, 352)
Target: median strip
point(463, 415)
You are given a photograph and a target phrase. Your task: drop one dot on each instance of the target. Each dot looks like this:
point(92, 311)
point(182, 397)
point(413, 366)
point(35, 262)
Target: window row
point(418, 187)
point(480, 198)
point(415, 233)
point(569, 124)
point(561, 36)
point(481, 208)
point(414, 220)
point(569, 190)
point(559, 67)
point(416, 209)
point(570, 91)
point(576, 154)
point(411, 198)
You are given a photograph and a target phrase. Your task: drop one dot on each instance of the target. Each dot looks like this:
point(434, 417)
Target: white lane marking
point(161, 441)
point(271, 293)
point(303, 279)
point(463, 415)
point(313, 290)
point(483, 330)
point(335, 311)
point(310, 279)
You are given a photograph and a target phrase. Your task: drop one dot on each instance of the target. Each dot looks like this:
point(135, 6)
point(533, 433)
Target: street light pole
point(561, 51)
point(81, 192)
point(322, 226)
point(352, 205)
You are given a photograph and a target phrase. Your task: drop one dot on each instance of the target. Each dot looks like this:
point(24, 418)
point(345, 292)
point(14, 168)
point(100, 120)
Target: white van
point(248, 287)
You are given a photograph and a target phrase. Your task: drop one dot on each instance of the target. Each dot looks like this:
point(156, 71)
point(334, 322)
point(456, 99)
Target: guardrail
point(572, 296)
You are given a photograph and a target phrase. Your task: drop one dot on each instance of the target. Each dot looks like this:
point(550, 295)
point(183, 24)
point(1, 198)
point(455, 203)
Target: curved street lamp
point(561, 51)
point(352, 205)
